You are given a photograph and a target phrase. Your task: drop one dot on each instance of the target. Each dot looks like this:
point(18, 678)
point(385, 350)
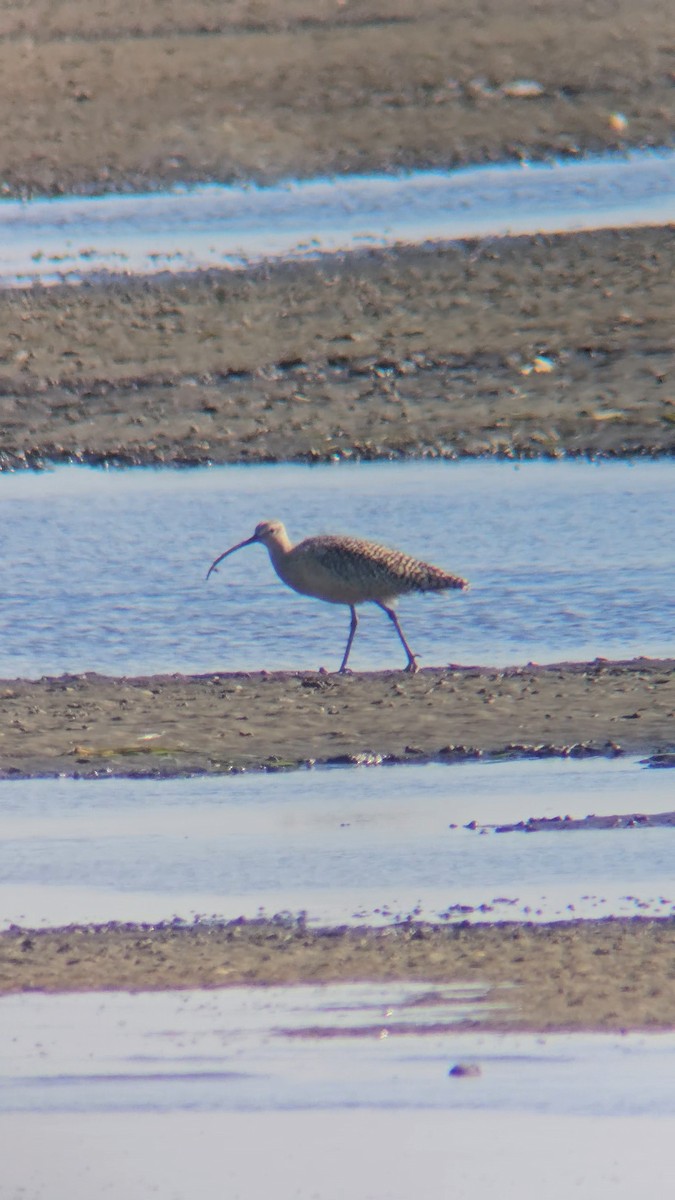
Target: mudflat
point(142, 96)
point(532, 346)
point(521, 347)
point(610, 975)
point(172, 725)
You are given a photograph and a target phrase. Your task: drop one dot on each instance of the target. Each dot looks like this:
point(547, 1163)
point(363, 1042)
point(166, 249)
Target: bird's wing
point(390, 572)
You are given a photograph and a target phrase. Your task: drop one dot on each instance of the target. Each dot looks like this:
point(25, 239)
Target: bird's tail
point(433, 579)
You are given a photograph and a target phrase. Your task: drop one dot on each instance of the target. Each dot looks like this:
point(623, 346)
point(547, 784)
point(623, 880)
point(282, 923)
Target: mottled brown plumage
point(348, 570)
point(375, 571)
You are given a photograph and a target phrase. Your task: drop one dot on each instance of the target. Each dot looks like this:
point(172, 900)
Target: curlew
point(347, 570)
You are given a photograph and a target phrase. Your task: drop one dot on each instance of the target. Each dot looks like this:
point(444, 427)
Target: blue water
point(106, 571)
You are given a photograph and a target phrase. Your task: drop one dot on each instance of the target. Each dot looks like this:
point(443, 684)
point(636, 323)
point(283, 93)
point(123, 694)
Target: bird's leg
point(350, 639)
point(412, 658)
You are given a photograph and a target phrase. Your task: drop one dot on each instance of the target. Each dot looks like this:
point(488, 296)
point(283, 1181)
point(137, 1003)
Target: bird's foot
point(412, 667)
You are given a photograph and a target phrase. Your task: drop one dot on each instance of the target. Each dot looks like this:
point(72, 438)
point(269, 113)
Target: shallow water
point(106, 571)
point(338, 1045)
point(334, 1153)
point(185, 1093)
point(216, 226)
point(345, 846)
point(199, 1092)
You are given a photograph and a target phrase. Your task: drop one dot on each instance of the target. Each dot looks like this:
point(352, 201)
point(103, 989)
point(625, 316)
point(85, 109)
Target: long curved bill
point(249, 542)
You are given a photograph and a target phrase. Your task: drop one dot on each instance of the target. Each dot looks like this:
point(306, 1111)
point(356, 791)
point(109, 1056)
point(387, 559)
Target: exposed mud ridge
point(615, 821)
point(522, 347)
point(610, 974)
point(95, 726)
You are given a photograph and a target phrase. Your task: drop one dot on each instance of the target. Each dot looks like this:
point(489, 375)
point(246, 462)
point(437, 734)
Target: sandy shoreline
point(377, 355)
point(422, 352)
point(138, 98)
point(164, 726)
point(607, 975)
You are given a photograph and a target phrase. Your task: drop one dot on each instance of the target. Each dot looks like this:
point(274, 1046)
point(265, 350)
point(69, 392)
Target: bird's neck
point(278, 551)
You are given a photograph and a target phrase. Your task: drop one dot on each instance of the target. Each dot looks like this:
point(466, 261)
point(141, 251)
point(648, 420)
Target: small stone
point(463, 1070)
point(523, 89)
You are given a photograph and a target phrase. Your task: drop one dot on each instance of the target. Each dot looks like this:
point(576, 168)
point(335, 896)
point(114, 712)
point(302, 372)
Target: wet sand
point(529, 346)
point(423, 352)
point(163, 726)
point(134, 98)
point(609, 975)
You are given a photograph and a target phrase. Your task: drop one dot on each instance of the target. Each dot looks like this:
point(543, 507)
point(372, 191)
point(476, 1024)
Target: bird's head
point(268, 533)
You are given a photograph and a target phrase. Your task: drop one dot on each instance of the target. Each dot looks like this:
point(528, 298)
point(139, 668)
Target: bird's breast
point(309, 570)
point(313, 579)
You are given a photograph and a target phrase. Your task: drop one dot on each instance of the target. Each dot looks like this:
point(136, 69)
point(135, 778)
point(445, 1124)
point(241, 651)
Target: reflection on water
point(235, 1050)
point(218, 226)
point(345, 846)
point(106, 571)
